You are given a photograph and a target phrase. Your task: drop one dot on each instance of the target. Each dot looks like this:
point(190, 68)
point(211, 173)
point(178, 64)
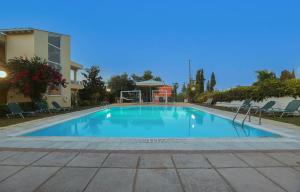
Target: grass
point(12, 121)
point(286, 119)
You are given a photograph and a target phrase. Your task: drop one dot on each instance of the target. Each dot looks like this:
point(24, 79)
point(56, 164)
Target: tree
point(146, 76)
point(120, 83)
point(183, 89)
point(191, 91)
point(208, 86)
point(175, 87)
point(94, 89)
point(212, 82)
point(157, 78)
point(200, 81)
point(137, 78)
point(285, 75)
point(33, 76)
point(265, 75)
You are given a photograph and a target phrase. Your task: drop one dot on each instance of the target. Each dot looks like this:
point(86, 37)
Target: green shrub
point(27, 106)
point(258, 92)
point(292, 87)
point(180, 97)
point(3, 110)
point(84, 103)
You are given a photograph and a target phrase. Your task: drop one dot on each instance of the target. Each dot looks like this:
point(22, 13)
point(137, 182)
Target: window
point(54, 49)
point(53, 54)
point(54, 40)
point(54, 57)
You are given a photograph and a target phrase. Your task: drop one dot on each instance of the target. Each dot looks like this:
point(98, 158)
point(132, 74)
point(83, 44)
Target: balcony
point(76, 85)
point(76, 66)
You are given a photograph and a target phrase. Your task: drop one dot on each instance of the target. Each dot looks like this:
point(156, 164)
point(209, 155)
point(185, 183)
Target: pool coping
point(10, 136)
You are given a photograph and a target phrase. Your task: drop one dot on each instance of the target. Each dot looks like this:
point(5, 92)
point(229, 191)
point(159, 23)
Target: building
point(163, 94)
point(54, 47)
point(75, 83)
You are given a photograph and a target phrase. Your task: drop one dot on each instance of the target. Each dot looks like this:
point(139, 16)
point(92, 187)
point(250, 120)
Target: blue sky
point(233, 38)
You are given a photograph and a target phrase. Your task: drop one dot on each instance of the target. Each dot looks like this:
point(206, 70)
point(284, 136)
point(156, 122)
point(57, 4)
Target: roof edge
point(30, 29)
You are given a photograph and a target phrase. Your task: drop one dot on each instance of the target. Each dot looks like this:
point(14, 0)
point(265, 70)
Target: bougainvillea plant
point(33, 76)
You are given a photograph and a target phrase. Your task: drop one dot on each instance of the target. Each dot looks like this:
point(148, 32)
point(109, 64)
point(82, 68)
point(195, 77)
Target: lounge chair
point(59, 108)
point(161, 100)
point(16, 110)
point(291, 109)
point(42, 106)
point(209, 101)
point(266, 107)
point(245, 105)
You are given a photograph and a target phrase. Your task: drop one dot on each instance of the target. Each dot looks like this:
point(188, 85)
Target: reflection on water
point(151, 121)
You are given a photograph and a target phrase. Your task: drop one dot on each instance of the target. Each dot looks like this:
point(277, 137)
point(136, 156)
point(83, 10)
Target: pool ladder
point(248, 114)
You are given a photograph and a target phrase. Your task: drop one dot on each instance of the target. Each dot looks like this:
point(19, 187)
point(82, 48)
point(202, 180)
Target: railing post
point(236, 114)
point(259, 121)
point(249, 119)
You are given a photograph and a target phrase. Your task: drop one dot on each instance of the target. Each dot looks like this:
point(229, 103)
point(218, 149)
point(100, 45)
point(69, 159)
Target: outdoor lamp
point(3, 73)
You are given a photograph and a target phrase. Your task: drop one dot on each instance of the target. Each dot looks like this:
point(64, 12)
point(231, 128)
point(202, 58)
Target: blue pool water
point(151, 122)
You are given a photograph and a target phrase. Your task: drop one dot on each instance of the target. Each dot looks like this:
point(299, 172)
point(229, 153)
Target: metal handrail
point(260, 113)
point(247, 114)
point(237, 112)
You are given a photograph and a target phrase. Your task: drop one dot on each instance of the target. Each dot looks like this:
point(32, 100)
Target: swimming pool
point(151, 122)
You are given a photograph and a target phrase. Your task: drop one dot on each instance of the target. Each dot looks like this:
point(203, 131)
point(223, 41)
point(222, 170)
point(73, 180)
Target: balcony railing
point(76, 82)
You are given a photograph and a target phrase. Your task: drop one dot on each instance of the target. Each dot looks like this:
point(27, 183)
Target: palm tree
point(265, 75)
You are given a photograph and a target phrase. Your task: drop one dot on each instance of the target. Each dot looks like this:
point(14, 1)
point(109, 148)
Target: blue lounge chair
point(59, 108)
point(245, 105)
point(209, 101)
point(42, 106)
point(266, 108)
point(292, 108)
point(16, 110)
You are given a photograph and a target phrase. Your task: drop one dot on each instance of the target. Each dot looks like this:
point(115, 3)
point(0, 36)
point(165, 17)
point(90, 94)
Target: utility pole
point(189, 82)
point(190, 72)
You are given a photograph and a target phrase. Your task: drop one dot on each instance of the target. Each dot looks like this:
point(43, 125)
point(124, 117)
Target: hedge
point(258, 92)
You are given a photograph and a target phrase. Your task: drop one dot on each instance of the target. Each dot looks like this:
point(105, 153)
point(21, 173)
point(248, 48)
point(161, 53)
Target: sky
point(232, 38)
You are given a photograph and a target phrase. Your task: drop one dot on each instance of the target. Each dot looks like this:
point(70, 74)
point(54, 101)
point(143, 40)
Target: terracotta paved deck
point(138, 171)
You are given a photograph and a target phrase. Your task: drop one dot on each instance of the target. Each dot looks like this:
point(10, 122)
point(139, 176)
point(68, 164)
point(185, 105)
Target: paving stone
point(55, 159)
point(248, 180)
point(112, 179)
point(88, 160)
point(286, 177)
point(202, 180)
point(190, 161)
point(157, 180)
point(156, 161)
point(121, 160)
point(23, 158)
point(69, 179)
point(27, 179)
point(6, 171)
point(258, 159)
point(287, 158)
point(6, 154)
point(224, 160)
